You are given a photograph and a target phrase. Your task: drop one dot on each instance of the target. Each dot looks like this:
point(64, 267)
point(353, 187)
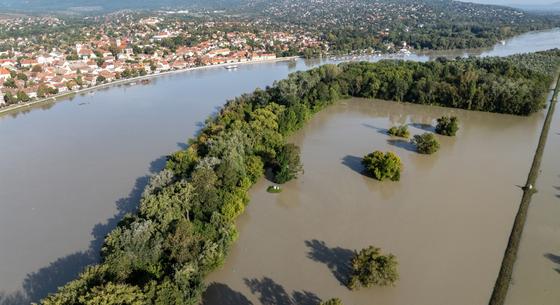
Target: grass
point(510, 255)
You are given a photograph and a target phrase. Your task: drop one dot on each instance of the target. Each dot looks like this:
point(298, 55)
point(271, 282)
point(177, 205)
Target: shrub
point(383, 165)
point(370, 267)
point(287, 164)
point(273, 189)
point(447, 126)
point(426, 143)
point(334, 301)
point(399, 131)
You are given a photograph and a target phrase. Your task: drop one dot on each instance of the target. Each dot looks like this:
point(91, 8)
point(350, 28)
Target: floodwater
point(70, 170)
point(447, 220)
point(536, 276)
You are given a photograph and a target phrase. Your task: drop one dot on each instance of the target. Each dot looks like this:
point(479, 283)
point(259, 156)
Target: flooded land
point(70, 170)
point(447, 220)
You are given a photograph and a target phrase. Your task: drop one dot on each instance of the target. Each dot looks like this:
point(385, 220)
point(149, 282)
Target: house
point(109, 76)
point(28, 63)
point(163, 65)
point(264, 56)
point(222, 52)
point(86, 54)
point(4, 73)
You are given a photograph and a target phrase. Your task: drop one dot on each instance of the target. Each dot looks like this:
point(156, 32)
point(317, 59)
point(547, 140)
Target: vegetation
point(287, 165)
point(334, 301)
point(184, 226)
point(273, 189)
point(447, 126)
point(383, 166)
point(370, 267)
point(426, 143)
point(399, 131)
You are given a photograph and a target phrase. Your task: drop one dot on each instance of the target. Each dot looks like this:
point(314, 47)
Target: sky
point(513, 2)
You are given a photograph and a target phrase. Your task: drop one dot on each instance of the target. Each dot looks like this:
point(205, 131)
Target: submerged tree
point(370, 267)
point(383, 165)
point(287, 163)
point(399, 131)
point(426, 143)
point(447, 126)
point(333, 301)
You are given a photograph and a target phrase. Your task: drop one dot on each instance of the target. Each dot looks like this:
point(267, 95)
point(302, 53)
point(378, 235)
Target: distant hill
point(109, 5)
point(553, 7)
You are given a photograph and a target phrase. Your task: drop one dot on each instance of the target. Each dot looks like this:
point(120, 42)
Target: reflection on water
point(65, 170)
point(447, 220)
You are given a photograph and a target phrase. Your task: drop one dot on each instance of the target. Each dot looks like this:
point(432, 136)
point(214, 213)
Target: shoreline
point(62, 96)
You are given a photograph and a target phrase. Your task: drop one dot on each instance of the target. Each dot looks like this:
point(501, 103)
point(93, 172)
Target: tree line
point(184, 226)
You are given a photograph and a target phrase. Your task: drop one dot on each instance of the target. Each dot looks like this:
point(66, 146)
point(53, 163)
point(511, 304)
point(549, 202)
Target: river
point(70, 170)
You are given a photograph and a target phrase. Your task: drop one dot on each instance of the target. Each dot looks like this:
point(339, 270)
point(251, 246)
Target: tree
point(10, 83)
point(114, 294)
point(399, 131)
point(37, 68)
point(100, 79)
point(10, 99)
point(22, 97)
point(287, 163)
point(370, 267)
point(426, 143)
point(383, 165)
point(334, 301)
point(22, 76)
point(447, 126)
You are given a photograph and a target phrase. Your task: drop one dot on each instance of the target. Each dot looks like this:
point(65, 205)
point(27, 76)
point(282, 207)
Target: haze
point(514, 2)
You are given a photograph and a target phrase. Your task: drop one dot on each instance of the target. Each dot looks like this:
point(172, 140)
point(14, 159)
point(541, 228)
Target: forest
point(185, 223)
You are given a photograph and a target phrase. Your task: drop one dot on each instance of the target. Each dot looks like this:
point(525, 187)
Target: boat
point(231, 67)
point(145, 81)
point(132, 84)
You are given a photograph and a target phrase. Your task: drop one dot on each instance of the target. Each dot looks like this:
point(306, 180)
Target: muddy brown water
point(447, 220)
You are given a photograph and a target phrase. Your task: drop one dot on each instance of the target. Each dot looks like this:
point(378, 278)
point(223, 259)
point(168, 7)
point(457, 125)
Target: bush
point(447, 126)
point(370, 267)
point(334, 301)
point(426, 143)
point(383, 165)
point(399, 131)
point(287, 164)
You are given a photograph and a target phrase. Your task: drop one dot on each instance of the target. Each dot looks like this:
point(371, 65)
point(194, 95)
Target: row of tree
point(184, 227)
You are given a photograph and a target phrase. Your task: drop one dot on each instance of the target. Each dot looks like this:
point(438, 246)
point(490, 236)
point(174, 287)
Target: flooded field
point(536, 276)
point(447, 220)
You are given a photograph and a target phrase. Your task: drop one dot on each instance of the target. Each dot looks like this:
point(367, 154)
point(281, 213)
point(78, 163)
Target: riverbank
point(63, 96)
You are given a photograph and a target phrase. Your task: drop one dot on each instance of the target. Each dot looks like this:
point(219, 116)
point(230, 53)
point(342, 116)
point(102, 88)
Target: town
point(127, 48)
point(42, 56)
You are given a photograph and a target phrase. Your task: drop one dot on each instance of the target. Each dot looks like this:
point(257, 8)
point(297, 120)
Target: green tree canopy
point(447, 126)
point(426, 143)
point(370, 267)
point(383, 165)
